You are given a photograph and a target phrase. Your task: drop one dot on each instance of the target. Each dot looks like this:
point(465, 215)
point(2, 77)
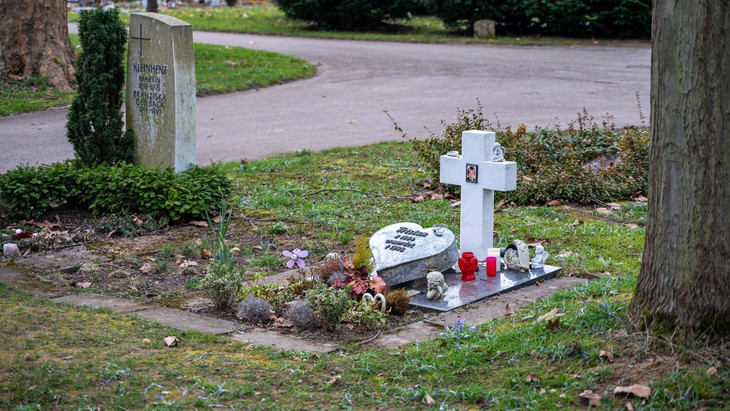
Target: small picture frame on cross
point(472, 173)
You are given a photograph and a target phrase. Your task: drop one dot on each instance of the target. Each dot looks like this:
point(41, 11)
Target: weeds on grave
point(580, 163)
point(366, 315)
point(223, 282)
point(129, 226)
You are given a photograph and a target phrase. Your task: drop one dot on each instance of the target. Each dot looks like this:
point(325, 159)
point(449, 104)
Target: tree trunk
point(685, 271)
point(152, 6)
point(34, 41)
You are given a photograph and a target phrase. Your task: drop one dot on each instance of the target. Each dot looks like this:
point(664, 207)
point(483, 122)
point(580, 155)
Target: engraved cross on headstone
point(478, 177)
point(140, 38)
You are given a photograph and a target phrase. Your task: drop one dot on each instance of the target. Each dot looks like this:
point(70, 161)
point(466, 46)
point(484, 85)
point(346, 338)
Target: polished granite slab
point(461, 293)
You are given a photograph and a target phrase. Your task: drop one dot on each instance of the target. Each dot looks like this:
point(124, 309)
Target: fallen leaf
point(426, 185)
point(640, 199)
point(607, 355)
point(282, 322)
point(84, 284)
point(711, 371)
point(554, 203)
point(615, 206)
point(500, 203)
point(350, 326)
point(637, 390)
point(632, 225)
point(187, 263)
point(437, 196)
point(575, 223)
point(377, 284)
point(594, 399)
point(206, 254)
point(171, 341)
point(334, 379)
point(533, 353)
point(235, 250)
point(146, 268)
point(353, 122)
point(548, 316)
point(430, 401)
point(456, 203)
point(231, 63)
point(535, 243)
point(553, 324)
point(531, 377)
point(417, 199)
point(314, 356)
point(146, 341)
point(198, 223)
point(613, 292)
point(629, 406)
point(508, 311)
point(603, 210)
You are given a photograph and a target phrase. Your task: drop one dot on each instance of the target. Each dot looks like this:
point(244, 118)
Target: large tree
point(685, 272)
point(34, 41)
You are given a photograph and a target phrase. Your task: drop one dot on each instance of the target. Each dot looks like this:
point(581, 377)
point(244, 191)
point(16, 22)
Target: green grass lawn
point(271, 20)
point(218, 69)
point(59, 356)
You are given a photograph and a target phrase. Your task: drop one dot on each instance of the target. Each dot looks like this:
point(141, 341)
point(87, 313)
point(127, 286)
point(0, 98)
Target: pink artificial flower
point(295, 256)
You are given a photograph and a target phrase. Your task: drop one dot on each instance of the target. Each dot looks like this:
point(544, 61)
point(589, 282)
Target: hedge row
point(27, 192)
point(598, 18)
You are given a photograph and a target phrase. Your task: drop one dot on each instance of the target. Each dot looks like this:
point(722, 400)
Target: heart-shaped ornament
point(405, 251)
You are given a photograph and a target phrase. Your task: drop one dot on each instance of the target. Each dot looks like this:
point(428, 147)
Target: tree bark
point(151, 6)
point(685, 272)
point(34, 41)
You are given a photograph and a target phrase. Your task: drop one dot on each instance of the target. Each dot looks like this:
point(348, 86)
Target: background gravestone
point(161, 91)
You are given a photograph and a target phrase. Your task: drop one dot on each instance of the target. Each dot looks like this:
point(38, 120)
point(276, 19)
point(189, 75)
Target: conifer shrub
point(580, 163)
point(95, 126)
point(347, 14)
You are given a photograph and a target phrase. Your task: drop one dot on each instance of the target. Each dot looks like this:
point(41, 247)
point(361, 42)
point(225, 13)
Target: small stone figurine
point(436, 286)
point(540, 256)
point(498, 153)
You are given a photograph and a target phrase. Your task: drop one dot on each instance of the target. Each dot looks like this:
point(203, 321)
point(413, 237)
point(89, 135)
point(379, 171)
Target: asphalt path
point(344, 104)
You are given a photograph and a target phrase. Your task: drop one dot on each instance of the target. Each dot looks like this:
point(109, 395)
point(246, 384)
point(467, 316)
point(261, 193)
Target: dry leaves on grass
point(171, 341)
point(430, 401)
point(637, 390)
point(531, 377)
point(508, 311)
point(591, 397)
point(607, 355)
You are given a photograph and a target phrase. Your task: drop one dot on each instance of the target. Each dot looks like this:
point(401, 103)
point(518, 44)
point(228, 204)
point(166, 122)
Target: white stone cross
point(478, 177)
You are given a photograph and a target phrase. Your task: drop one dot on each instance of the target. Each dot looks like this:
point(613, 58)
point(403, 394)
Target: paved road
point(419, 84)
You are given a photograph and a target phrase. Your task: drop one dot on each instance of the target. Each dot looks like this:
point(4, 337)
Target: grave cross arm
point(478, 177)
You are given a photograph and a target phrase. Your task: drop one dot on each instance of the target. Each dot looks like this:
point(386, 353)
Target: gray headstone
point(485, 29)
point(405, 251)
point(161, 91)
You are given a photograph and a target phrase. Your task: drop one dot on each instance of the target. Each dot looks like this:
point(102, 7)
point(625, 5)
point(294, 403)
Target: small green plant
point(95, 126)
point(278, 228)
point(363, 314)
point(328, 304)
point(223, 282)
point(363, 256)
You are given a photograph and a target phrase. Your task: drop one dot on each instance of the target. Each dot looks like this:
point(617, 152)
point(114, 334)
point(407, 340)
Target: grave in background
point(161, 107)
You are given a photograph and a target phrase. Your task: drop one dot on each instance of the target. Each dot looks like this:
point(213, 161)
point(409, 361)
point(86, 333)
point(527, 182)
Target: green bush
point(601, 18)
point(346, 14)
point(95, 126)
point(27, 192)
point(460, 15)
point(328, 304)
point(580, 163)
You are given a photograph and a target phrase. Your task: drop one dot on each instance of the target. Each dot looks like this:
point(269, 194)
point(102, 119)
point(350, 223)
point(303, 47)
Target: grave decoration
point(480, 170)
point(478, 175)
point(406, 251)
point(161, 107)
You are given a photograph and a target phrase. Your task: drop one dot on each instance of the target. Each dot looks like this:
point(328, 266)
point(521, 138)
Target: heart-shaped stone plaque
point(405, 251)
